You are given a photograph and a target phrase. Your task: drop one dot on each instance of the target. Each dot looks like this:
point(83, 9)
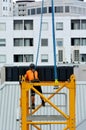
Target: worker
point(32, 76)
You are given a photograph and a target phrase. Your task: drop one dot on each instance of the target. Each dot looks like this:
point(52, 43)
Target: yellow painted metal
point(37, 127)
point(24, 109)
point(72, 95)
point(66, 128)
point(70, 120)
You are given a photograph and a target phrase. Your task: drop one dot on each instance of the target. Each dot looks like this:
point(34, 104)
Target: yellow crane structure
point(28, 118)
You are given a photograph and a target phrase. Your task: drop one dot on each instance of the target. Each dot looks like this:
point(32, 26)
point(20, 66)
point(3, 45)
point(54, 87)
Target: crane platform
point(46, 118)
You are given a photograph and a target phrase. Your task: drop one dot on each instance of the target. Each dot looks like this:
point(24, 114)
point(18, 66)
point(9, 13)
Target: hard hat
point(32, 66)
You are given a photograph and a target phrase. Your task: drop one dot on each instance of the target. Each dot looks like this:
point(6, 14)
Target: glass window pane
point(83, 57)
point(75, 24)
point(32, 11)
point(76, 55)
point(44, 42)
point(59, 9)
point(2, 26)
point(18, 24)
point(45, 26)
point(83, 41)
point(18, 58)
point(38, 10)
point(77, 41)
point(2, 42)
point(28, 24)
point(67, 9)
point(28, 58)
point(44, 9)
point(50, 9)
point(59, 42)
point(83, 24)
point(2, 58)
point(28, 42)
point(60, 55)
point(59, 26)
point(44, 58)
point(28, 11)
point(18, 42)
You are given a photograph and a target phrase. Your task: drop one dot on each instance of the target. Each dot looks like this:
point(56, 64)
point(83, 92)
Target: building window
point(23, 58)
point(18, 41)
point(23, 25)
point(76, 55)
point(50, 9)
point(2, 58)
point(44, 42)
point(18, 24)
point(75, 24)
point(3, 7)
point(83, 42)
point(18, 58)
point(78, 24)
point(59, 26)
point(75, 41)
point(28, 58)
point(44, 58)
point(2, 26)
point(2, 42)
point(28, 42)
point(28, 24)
point(67, 9)
point(83, 57)
point(44, 9)
point(28, 11)
point(32, 11)
point(60, 55)
point(59, 9)
point(23, 42)
point(45, 26)
point(10, 8)
point(83, 24)
point(59, 42)
point(78, 41)
point(38, 10)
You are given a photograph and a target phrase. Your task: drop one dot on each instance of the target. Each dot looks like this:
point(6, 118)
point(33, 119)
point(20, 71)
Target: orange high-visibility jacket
point(30, 75)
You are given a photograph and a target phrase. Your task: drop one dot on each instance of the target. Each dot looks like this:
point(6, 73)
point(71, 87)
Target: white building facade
point(19, 36)
point(6, 8)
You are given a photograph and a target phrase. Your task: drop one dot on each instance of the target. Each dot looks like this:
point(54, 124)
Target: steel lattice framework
point(27, 116)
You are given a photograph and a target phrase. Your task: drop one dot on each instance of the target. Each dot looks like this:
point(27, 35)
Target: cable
point(40, 32)
point(54, 43)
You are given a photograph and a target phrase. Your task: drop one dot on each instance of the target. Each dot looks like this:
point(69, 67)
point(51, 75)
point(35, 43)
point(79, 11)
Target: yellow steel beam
point(61, 87)
point(37, 127)
point(24, 103)
point(24, 110)
point(52, 104)
point(72, 104)
point(66, 128)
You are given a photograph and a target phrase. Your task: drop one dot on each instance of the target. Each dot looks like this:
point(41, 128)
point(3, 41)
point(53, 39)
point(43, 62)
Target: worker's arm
point(36, 79)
